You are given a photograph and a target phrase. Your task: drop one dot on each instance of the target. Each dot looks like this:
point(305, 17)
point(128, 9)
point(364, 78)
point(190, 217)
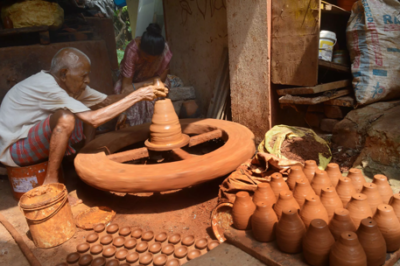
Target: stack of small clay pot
point(113, 246)
point(333, 219)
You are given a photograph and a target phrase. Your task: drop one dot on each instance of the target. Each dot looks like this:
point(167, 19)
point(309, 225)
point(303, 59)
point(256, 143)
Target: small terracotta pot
point(331, 201)
point(309, 169)
point(301, 191)
point(347, 251)
point(333, 171)
point(389, 225)
point(320, 181)
point(317, 243)
point(263, 222)
point(290, 231)
point(285, 202)
point(359, 208)
point(384, 187)
point(357, 179)
point(313, 209)
point(395, 203)
point(264, 194)
point(341, 222)
point(345, 190)
point(242, 210)
point(278, 184)
point(296, 173)
point(373, 197)
point(372, 241)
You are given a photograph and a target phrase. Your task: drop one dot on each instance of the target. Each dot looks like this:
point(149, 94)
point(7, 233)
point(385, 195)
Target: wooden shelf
point(289, 99)
point(346, 101)
point(316, 89)
point(334, 66)
point(8, 32)
point(332, 9)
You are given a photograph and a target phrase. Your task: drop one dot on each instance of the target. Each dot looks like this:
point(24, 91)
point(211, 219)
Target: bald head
point(68, 58)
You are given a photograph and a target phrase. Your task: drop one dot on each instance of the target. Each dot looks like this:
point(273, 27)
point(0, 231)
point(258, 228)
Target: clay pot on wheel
point(373, 197)
point(317, 243)
point(372, 241)
point(341, 222)
point(333, 171)
point(309, 169)
point(347, 251)
point(296, 173)
point(264, 194)
point(285, 202)
point(320, 181)
point(313, 209)
point(384, 187)
point(395, 203)
point(263, 222)
point(331, 201)
point(242, 210)
point(359, 208)
point(345, 190)
point(290, 231)
point(389, 225)
point(301, 191)
point(357, 179)
point(278, 184)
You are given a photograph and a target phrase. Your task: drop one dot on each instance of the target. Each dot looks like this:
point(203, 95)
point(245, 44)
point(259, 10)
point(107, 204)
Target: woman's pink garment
point(141, 112)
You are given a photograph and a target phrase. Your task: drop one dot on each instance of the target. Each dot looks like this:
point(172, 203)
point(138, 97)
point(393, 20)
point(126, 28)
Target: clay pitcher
point(333, 171)
point(321, 180)
point(347, 251)
point(242, 210)
point(341, 222)
point(331, 201)
point(290, 231)
point(285, 202)
point(372, 241)
point(359, 208)
point(278, 184)
point(389, 225)
point(309, 169)
point(373, 196)
point(357, 179)
point(263, 222)
point(296, 173)
point(313, 209)
point(395, 203)
point(317, 243)
point(384, 187)
point(264, 194)
point(301, 191)
point(345, 190)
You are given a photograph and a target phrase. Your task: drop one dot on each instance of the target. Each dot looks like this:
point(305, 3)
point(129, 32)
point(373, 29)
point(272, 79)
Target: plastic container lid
point(326, 34)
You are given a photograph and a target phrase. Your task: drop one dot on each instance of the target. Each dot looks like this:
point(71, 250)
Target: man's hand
point(152, 92)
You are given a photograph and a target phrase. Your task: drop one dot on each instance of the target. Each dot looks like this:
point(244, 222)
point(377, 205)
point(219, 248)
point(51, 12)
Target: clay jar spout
point(395, 203)
point(296, 173)
point(341, 222)
point(345, 190)
point(359, 208)
point(309, 169)
point(263, 222)
point(320, 181)
point(301, 191)
point(317, 243)
point(278, 184)
point(242, 210)
point(384, 187)
point(290, 231)
point(313, 209)
point(347, 251)
point(264, 194)
point(331, 201)
point(333, 171)
point(389, 226)
point(372, 241)
point(374, 198)
point(357, 179)
point(285, 202)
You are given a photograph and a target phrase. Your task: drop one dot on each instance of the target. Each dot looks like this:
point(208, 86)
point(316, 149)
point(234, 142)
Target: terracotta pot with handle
point(290, 231)
point(313, 209)
point(264, 194)
point(301, 191)
point(321, 180)
point(333, 171)
point(345, 190)
point(278, 184)
point(357, 179)
point(347, 251)
point(384, 187)
point(309, 169)
point(285, 202)
point(373, 197)
point(263, 222)
point(359, 208)
point(296, 173)
point(389, 225)
point(331, 201)
point(341, 222)
point(372, 241)
point(242, 210)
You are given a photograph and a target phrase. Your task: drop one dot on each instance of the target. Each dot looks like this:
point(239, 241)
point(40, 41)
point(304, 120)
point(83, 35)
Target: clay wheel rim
point(96, 170)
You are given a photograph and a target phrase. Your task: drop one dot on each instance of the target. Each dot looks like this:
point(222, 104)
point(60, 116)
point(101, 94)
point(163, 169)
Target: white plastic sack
point(373, 39)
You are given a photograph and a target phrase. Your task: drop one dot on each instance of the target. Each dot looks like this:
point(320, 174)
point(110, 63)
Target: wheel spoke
point(130, 155)
point(198, 139)
point(180, 154)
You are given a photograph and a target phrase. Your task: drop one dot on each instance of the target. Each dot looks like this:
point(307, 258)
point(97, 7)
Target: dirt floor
point(186, 212)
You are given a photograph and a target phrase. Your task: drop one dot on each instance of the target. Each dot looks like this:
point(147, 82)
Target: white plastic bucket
point(327, 39)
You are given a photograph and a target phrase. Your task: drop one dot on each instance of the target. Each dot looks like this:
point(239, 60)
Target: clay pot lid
point(112, 228)
point(342, 212)
point(384, 207)
point(188, 240)
point(82, 248)
point(113, 262)
point(121, 254)
point(132, 257)
point(155, 247)
point(369, 185)
point(284, 194)
point(142, 246)
point(137, 233)
point(276, 176)
point(161, 237)
point(313, 199)
point(328, 189)
point(119, 241)
point(368, 222)
point(359, 196)
point(349, 236)
point(160, 260)
point(85, 260)
point(168, 249)
point(100, 261)
point(213, 244)
point(146, 259)
point(62, 264)
point(242, 194)
point(124, 231)
point(105, 240)
point(173, 262)
point(92, 237)
point(73, 257)
point(201, 243)
point(147, 236)
point(109, 251)
point(318, 223)
point(181, 251)
point(174, 239)
point(96, 249)
point(310, 163)
point(98, 228)
point(130, 243)
point(194, 254)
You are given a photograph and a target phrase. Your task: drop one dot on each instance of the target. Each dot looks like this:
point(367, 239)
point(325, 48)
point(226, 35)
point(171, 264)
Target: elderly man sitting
point(43, 115)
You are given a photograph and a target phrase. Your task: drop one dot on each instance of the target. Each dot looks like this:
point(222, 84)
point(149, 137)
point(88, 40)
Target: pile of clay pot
point(113, 246)
point(333, 219)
